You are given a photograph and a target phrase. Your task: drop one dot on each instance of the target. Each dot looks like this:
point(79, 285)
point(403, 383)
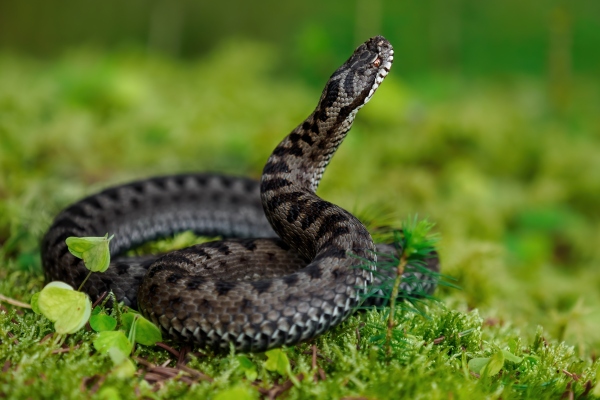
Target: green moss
point(429, 362)
point(512, 188)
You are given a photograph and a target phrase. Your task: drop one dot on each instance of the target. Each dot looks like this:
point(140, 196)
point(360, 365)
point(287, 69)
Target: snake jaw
point(384, 69)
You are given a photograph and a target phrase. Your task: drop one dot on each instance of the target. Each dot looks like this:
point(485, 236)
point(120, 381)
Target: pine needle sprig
point(407, 274)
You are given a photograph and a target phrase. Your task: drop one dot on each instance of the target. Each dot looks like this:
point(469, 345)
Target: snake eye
point(377, 62)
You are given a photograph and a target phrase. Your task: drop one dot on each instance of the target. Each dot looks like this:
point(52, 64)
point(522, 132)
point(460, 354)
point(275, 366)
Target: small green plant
point(247, 367)
point(93, 251)
point(68, 308)
point(119, 343)
point(490, 366)
point(71, 309)
point(278, 361)
point(414, 244)
point(60, 303)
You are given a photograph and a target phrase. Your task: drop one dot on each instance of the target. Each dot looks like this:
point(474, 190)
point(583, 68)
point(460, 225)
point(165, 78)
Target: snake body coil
point(299, 279)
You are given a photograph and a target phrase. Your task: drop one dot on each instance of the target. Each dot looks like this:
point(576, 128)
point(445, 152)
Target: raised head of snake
point(314, 141)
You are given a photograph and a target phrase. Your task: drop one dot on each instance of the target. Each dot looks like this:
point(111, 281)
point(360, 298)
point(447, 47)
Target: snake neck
point(303, 155)
point(294, 170)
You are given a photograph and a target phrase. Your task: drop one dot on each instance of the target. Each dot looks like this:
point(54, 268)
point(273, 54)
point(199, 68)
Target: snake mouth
point(384, 67)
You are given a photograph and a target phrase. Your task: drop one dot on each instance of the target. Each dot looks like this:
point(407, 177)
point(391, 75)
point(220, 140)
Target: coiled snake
point(276, 280)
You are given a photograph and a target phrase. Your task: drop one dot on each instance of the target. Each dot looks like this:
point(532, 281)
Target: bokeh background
point(488, 126)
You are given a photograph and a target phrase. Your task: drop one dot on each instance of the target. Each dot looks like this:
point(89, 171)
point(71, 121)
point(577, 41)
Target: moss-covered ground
point(512, 184)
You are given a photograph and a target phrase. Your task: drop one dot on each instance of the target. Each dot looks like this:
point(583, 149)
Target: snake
point(289, 265)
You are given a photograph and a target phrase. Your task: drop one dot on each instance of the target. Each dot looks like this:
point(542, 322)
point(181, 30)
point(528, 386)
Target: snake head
point(353, 84)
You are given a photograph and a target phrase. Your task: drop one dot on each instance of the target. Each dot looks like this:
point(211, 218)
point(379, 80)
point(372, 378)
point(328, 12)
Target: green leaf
point(127, 320)
point(67, 308)
point(116, 355)
point(106, 340)
point(103, 322)
point(124, 368)
point(464, 363)
point(596, 391)
point(146, 332)
point(512, 345)
point(247, 367)
point(508, 356)
point(108, 393)
point(92, 250)
point(245, 362)
point(494, 365)
point(490, 366)
point(237, 393)
point(477, 364)
point(277, 361)
point(34, 303)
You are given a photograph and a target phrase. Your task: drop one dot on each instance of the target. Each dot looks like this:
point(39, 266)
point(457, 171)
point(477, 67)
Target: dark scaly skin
point(254, 293)
point(138, 212)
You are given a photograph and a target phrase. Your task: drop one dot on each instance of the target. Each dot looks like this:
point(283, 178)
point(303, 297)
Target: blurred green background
point(488, 125)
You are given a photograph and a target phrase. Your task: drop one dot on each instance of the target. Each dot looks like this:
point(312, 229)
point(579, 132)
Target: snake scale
point(290, 266)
